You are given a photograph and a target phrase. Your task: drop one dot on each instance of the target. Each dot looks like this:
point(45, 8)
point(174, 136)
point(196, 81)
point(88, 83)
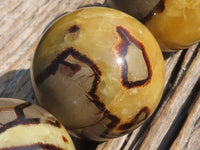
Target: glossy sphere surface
point(174, 23)
point(27, 126)
point(100, 71)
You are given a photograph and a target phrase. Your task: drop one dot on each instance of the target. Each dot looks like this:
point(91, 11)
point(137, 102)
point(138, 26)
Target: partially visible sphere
point(27, 126)
point(137, 8)
point(99, 71)
point(174, 23)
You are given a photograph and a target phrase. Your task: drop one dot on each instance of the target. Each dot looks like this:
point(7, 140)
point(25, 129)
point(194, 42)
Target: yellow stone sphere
point(27, 126)
point(174, 23)
point(178, 26)
point(99, 71)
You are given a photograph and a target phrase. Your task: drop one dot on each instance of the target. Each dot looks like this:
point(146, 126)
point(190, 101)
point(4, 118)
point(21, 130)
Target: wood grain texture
point(174, 125)
point(190, 134)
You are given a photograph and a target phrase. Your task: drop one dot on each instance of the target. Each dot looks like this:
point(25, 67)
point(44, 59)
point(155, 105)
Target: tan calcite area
point(16, 133)
point(71, 105)
point(178, 26)
point(23, 135)
point(96, 39)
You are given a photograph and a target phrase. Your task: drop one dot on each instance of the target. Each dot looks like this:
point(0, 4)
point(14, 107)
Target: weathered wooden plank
point(189, 136)
point(27, 29)
point(18, 44)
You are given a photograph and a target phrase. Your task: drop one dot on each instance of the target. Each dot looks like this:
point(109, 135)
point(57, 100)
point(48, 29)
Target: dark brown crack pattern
point(22, 120)
point(122, 48)
point(123, 128)
point(60, 59)
point(74, 28)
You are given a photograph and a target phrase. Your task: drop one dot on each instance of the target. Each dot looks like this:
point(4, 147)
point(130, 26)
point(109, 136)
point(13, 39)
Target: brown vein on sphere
point(65, 139)
point(20, 118)
point(56, 123)
point(34, 147)
point(124, 127)
point(159, 8)
point(122, 48)
point(130, 124)
point(74, 28)
point(53, 67)
point(115, 120)
point(95, 99)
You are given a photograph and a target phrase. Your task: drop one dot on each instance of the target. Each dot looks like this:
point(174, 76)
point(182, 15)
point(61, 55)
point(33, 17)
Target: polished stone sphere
point(27, 126)
point(100, 71)
point(174, 23)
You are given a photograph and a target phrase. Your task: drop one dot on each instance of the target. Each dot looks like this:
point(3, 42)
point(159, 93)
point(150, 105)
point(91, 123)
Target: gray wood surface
point(174, 125)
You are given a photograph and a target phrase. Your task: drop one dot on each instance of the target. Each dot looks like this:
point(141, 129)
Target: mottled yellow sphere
point(99, 71)
point(27, 126)
point(174, 23)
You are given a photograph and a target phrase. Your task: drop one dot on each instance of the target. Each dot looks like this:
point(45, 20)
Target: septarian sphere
point(99, 71)
point(174, 23)
point(27, 126)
